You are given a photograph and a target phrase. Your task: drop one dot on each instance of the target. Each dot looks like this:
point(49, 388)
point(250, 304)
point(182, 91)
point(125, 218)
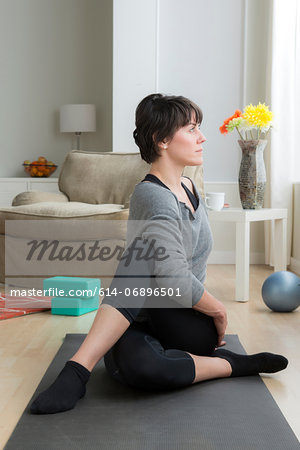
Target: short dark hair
point(158, 117)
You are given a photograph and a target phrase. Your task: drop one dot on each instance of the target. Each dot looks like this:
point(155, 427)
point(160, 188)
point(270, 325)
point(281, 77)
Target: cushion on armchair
point(30, 197)
point(65, 210)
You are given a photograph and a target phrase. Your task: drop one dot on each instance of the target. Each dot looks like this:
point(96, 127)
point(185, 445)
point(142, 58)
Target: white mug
point(215, 200)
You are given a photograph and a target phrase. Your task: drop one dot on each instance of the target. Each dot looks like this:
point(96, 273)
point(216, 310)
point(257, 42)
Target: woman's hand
point(220, 322)
point(212, 307)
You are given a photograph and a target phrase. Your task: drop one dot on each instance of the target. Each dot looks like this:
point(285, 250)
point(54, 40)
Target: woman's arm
point(212, 307)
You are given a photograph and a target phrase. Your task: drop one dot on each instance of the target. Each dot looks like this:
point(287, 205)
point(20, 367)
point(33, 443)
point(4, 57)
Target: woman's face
point(186, 146)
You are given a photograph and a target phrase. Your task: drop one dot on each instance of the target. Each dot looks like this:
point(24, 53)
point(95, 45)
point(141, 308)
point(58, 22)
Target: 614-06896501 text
point(127, 292)
point(157, 292)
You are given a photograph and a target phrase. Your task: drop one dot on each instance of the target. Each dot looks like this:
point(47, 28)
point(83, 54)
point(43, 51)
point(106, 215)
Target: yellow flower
point(258, 116)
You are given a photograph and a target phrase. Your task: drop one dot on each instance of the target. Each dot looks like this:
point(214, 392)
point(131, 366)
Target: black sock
point(64, 393)
point(244, 365)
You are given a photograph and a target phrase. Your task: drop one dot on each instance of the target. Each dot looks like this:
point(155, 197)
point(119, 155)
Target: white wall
point(53, 52)
point(134, 65)
point(258, 20)
point(295, 260)
point(186, 48)
point(201, 57)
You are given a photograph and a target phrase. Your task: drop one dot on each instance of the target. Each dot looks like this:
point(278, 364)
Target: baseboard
point(219, 257)
point(295, 265)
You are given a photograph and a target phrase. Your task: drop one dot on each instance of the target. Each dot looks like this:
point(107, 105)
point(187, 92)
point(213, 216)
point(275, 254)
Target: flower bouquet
point(253, 126)
point(254, 121)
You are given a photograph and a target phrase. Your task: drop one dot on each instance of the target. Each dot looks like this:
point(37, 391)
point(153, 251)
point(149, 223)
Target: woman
point(165, 342)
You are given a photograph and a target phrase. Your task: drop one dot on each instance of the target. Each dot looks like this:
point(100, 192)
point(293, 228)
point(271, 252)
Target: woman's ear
point(163, 145)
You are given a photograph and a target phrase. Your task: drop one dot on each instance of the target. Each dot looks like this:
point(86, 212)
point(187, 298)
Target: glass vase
point(252, 175)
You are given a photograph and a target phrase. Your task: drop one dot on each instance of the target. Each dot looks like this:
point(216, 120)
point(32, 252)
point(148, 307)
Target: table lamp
point(77, 119)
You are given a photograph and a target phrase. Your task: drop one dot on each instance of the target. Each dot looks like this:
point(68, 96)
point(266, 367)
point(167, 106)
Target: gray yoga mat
point(227, 413)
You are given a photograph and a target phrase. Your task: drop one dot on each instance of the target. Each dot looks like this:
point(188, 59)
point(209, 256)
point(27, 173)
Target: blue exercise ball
point(281, 291)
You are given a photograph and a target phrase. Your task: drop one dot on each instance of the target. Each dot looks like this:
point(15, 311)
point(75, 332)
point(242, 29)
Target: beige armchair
point(92, 206)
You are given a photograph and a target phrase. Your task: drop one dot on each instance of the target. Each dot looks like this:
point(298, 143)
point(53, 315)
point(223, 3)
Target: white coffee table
point(242, 219)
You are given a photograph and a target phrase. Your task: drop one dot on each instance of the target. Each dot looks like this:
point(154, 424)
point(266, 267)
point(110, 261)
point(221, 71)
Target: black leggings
point(153, 355)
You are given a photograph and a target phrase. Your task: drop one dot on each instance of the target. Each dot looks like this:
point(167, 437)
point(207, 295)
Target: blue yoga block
point(72, 306)
point(78, 287)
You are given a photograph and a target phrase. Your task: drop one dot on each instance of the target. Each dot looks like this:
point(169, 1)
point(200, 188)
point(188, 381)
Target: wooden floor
point(29, 343)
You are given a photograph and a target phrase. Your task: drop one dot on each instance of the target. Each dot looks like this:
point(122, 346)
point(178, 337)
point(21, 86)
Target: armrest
point(30, 197)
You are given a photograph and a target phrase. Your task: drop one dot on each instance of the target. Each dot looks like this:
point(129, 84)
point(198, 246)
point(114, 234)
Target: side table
point(242, 219)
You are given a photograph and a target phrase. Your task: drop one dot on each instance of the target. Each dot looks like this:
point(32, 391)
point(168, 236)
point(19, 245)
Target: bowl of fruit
point(39, 168)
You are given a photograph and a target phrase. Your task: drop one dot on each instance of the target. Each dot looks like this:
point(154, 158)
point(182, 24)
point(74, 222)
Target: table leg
point(242, 261)
point(280, 244)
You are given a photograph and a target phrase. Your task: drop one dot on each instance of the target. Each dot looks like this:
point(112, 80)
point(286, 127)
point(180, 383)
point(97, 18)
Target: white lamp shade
point(77, 118)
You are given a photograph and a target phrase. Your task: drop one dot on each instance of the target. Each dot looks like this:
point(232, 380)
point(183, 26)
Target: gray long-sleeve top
point(157, 215)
